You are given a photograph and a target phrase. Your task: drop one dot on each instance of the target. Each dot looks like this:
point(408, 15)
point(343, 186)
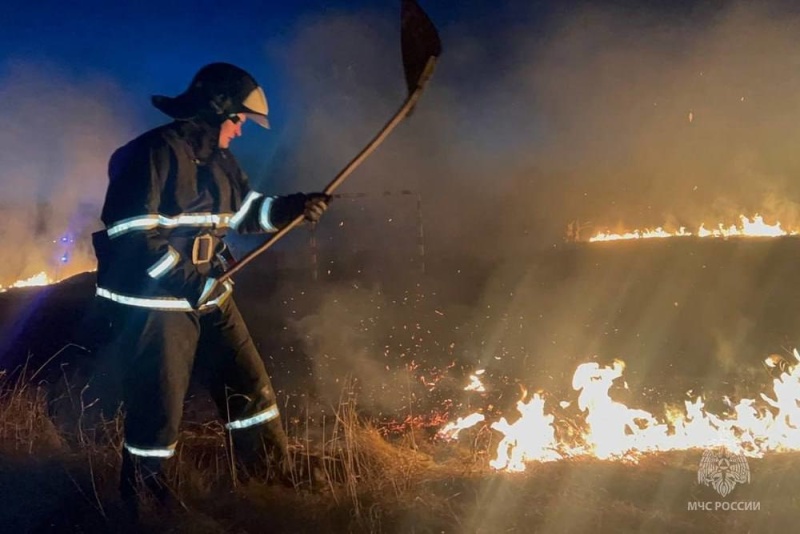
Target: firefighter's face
point(231, 129)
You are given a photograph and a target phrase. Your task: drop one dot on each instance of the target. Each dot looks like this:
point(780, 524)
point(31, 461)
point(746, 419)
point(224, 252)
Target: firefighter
point(173, 194)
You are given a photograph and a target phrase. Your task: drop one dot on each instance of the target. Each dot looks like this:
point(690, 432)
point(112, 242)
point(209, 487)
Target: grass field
point(684, 316)
point(58, 473)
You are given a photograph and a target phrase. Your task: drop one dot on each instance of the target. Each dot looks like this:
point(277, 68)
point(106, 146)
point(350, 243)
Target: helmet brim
point(185, 106)
point(258, 118)
point(180, 107)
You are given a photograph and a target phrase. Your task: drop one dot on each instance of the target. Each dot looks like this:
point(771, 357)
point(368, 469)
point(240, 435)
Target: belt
point(201, 249)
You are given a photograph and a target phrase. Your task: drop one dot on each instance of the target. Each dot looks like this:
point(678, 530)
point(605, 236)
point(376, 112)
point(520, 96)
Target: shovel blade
point(420, 44)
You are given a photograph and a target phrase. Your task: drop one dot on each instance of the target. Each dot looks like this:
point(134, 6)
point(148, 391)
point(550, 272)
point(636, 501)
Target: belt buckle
point(202, 249)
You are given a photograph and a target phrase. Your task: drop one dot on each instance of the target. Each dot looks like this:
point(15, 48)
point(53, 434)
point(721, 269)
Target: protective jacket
point(172, 195)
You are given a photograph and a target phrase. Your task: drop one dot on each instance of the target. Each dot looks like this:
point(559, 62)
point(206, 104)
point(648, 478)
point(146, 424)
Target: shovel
point(421, 47)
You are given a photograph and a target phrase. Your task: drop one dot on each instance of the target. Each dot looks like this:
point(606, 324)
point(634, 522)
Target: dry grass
point(24, 422)
point(345, 481)
point(59, 460)
point(25, 425)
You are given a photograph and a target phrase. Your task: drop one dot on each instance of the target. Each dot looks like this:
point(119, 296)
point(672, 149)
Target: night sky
point(150, 46)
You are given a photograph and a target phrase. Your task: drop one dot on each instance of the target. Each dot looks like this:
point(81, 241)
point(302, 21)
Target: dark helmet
point(216, 92)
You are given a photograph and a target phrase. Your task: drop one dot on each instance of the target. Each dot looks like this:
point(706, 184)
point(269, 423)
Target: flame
point(39, 279)
point(612, 430)
point(475, 383)
point(755, 227)
point(451, 430)
point(531, 438)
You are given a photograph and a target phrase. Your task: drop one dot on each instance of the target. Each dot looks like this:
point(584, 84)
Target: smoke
point(688, 120)
point(58, 132)
point(606, 115)
point(611, 116)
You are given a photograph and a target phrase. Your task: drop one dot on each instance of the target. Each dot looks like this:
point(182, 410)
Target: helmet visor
point(256, 108)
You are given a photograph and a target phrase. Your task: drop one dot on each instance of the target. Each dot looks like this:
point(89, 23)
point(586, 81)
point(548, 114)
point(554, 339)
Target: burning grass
point(59, 460)
point(39, 279)
point(609, 429)
point(747, 227)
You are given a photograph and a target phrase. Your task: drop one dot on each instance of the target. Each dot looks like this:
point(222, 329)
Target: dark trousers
point(156, 352)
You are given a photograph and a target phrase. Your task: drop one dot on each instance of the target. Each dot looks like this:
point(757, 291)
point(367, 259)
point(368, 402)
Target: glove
point(210, 290)
point(287, 208)
point(315, 206)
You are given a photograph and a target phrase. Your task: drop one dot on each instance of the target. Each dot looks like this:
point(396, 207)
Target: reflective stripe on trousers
point(264, 417)
point(164, 452)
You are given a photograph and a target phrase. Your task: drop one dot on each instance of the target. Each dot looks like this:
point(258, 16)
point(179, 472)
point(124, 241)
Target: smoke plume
point(59, 130)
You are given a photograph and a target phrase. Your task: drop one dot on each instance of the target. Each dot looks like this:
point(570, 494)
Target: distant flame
point(755, 227)
point(612, 430)
point(40, 279)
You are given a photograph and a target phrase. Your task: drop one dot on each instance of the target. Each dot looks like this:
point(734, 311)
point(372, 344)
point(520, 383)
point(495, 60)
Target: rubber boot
point(262, 451)
point(141, 478)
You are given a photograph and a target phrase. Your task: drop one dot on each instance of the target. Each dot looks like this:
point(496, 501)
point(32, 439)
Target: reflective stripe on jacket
point(171, 185)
